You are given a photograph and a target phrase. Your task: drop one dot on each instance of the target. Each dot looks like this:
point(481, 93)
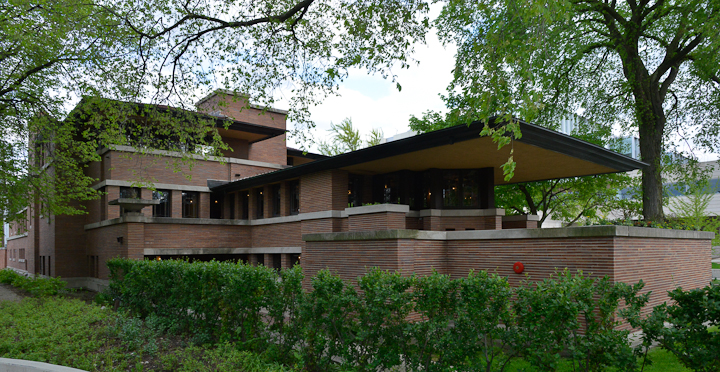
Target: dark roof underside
point(540, 154)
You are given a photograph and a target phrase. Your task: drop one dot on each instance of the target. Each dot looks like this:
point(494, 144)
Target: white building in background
point(399, 136)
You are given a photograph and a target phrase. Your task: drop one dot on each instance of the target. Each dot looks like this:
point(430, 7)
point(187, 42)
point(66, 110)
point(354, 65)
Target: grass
point(662, 361)
point(715, 265)
point(73, 333)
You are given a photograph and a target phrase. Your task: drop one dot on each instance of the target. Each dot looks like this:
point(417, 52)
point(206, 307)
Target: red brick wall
point(3, 258)
point(376, 221)
point(273, 150)
point(69, 247)
point(445, 223)
point(276, 235)
point(162, 235)
point(238, 148)
point(102, 242)
point(323, 191)
point(350, 259)
point(663, 264)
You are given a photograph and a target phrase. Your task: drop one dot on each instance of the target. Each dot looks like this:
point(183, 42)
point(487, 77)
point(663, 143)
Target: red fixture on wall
point(518, 267)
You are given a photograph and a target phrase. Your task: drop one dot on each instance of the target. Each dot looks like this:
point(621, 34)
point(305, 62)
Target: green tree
point(51, 51)
point(649, 67)
point(345, 138)
point(297, 49)
point(164, 52)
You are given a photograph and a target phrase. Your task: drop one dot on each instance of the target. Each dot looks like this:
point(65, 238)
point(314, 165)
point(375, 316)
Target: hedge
point(386, 320)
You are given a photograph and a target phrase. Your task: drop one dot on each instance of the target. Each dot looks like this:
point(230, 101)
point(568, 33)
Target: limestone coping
point(18, 365)
point(176, 154)
point(521, 217)
point(377, 208)
point(457, 212)
point(133, 205)
point(566, 232)
point(194, 251)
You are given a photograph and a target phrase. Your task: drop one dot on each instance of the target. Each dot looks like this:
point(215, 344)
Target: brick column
point(113, 211)
point(204, 211)
point(176, 203)
point(135, 241)
point(267, 196)
point(286, 263)
point(146, 194)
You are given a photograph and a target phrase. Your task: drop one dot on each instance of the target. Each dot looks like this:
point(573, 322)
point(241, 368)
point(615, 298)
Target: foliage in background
point(570, 200)
point(345, 138)
point(632, 65)
point(692, 209)
point(36, 286)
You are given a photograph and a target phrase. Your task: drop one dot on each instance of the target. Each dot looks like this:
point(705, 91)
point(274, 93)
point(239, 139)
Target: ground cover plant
point(82, 335)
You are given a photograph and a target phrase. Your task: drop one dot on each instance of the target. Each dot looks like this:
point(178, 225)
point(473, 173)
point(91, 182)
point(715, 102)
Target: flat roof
point(235, 129)
point(540, 154)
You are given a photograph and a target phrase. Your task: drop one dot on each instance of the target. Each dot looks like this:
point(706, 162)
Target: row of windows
point(191, 201)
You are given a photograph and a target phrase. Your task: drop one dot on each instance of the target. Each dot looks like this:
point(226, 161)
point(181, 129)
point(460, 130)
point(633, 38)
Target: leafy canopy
point(164, 52)
point(646, 67)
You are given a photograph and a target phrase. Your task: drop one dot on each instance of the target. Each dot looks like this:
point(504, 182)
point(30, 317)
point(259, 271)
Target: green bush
point(40, 287)
point(692, 333)
point(430, 323)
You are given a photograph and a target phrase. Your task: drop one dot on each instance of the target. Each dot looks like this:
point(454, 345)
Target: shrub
point(690, 335)
point(430, 323)
point(36, 286)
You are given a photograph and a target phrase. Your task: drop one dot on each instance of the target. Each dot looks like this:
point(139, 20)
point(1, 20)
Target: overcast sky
point(373, 102)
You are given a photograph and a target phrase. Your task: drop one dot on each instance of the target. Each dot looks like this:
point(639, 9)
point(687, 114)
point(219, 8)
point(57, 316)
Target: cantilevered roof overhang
point(540, 154)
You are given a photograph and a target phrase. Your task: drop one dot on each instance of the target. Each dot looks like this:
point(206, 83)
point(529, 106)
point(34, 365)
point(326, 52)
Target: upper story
point(256, 140)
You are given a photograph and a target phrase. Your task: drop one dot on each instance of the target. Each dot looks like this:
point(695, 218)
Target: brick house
point(417, 204)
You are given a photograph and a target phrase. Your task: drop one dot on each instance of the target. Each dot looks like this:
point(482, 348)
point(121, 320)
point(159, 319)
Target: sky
point(373, 102)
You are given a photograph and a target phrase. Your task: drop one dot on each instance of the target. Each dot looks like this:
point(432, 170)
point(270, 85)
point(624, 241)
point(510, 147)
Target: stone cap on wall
point(566, 232)
point(457, 212)
point(377, 208)
point(521, 217)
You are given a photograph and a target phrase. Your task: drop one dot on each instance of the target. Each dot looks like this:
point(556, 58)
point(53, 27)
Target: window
point(245, 204)
point(216, 205)
point(294, 259)
point(190, 201)
point(277, 261)
point(162, 209)
point(355, 190)
point(260, 259)
point(451, 189)
point(259, 204)
point(231, 206)
point(276, 200)
point(294, 195)
point(130, 192)
point(460, 188)
point(391, 189)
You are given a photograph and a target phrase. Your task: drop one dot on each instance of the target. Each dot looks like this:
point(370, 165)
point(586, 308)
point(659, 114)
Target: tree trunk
point(651, 120)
